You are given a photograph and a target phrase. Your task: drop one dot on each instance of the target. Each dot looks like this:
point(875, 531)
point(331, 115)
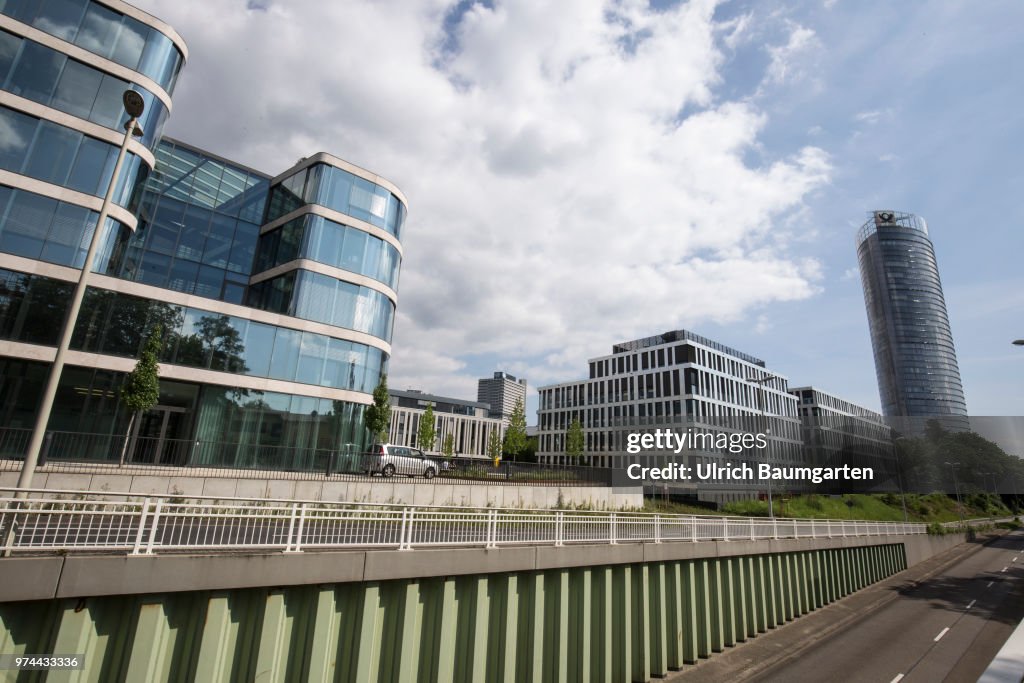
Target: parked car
point(388, 460)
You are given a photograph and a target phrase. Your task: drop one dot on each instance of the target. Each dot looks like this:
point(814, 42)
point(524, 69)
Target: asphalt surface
point(943, 620)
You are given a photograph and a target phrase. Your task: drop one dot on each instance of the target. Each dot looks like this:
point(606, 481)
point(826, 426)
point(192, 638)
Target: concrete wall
point(609, 622)
point(377, 490)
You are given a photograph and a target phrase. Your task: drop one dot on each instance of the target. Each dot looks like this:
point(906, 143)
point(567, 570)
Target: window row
point(341, 191)
point(103, 32)
point(42, 228)
point(116, 324)
point(322, 298)
point(49, 77)
point(318, 239)
point(62, 156)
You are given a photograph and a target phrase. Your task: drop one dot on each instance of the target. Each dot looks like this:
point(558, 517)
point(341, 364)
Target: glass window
point(344, 312)
point(109, 107)
point(130, 42)
point(93, 167)
point(371, 265)
point(243, 247)
point(70, 234)
point(316, 296)
point(259, 347)
point(354, 250)
point(60, 17)
point(218, 242)
point(183, 275)
point(192, 237)
point(313, 349)
point(286, 354)
point(28, 221)
point(53, 153)
point(36, 73)
point(9, 46)
point(16, 133)
point(98, 33)
point(209, 282)
point(77, 88)
point(166, 224)
point(154, 268)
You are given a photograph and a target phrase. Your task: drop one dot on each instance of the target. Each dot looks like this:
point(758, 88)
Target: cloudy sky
point(581, 173)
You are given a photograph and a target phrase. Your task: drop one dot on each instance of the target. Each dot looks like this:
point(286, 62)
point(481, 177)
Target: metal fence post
point(559, 527)
point(751, 528)
point(492, 528)
point(402, 528)
point(298, 532)
point(153, 527)
point(291, 528)
point(814, 532)
point(693, 528)
point(725, 528)
point(657, 528)
point(612, 530)
point(142, 526)
point(775, 528)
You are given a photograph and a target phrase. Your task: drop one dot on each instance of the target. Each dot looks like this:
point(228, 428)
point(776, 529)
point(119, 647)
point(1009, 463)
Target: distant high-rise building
point(501, 392)
point(915, 359)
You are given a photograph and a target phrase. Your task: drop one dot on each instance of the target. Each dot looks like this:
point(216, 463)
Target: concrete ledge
point(382, 565)
point(130, 575)
point(29, 578)
point(36, 578)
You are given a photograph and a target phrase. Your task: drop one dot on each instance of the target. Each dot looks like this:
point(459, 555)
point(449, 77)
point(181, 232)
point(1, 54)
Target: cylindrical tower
point(915, 359)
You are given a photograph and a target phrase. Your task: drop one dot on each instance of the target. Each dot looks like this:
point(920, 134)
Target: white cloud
point(790, 63)
point(558, 204)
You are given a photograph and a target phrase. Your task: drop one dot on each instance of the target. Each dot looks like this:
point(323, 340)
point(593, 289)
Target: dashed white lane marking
point(989, 584)
point(972, 604)
point(941, 634)
point(899, 677)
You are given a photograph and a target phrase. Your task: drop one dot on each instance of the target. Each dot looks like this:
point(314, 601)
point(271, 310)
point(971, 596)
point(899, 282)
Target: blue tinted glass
point(165, 226)
point(9, 46)
point(354, 250)
point(243, 247)
point(99, 30)
point(209, 282)
point(259, 348)
point(28, 220)
point(60, 17)
point(130, 42)
point(160, 60)
point(312, 350)
point(344, 312)
point(154, 268)
point(183, 275)
point(193, 235)
point(18, 131)
point(53, 153)
point(286, 354)
point(93, 167)
point(70, 234)
point(108, 107)
point(36, 73)
point(371, 265)
point(315, 295)
point(218, 243)
point(254, 200)
point(77, 88)
point(234, 290)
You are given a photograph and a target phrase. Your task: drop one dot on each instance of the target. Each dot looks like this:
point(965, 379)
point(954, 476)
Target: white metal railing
point(52, 521)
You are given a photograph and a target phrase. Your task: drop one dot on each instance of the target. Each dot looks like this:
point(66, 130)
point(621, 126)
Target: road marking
point(972, 604)
point(989, 584)
point(899, 677)
point(941, 634)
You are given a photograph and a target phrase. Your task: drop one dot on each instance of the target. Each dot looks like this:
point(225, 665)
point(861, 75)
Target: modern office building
point(677, 380)
point(501, 393)
point(274, 294)
point(466, 421)
point(915, 358)
point(837, 432)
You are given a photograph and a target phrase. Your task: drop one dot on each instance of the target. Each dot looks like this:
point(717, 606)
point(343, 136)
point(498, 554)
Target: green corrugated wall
point(614, 623)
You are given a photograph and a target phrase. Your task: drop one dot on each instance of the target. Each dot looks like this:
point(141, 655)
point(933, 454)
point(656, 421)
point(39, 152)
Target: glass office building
point(274, 296)
point(915, 358)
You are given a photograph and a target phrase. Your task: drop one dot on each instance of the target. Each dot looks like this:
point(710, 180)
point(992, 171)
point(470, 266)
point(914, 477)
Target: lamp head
point(133, 103)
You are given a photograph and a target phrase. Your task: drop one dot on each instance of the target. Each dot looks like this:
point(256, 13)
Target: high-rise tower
point(915, 359)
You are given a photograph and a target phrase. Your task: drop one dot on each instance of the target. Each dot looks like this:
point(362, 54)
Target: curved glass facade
point(51, 78)
point(915, 358)
point(341, 191)
point(63, 156)
point(104, 32)
point(38, 227)
point(318, 239)
point(312, 296)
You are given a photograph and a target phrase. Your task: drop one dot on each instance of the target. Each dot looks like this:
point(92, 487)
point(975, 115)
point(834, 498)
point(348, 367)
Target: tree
point(141, 388)
point(574, 441)
point(449, 445)
point(494, 445)
point(427, 433)
point(378, 414)
point(515, 435)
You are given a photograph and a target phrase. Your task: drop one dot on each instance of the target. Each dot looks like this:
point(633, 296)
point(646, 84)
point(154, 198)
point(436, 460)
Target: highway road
point(944, 628)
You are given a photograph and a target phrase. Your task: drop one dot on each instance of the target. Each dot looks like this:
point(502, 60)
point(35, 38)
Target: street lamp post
point(1018, 342)
point(956, 488)
point(133, 106)
point(760, 382)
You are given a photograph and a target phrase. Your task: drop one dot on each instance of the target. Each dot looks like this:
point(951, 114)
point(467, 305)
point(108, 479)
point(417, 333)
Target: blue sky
point(582, 173)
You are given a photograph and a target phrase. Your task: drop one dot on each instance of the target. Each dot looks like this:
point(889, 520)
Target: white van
point(388, 460)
